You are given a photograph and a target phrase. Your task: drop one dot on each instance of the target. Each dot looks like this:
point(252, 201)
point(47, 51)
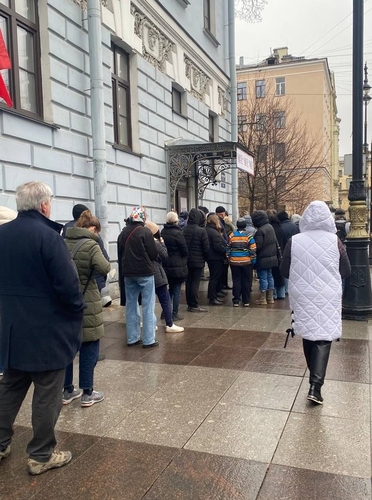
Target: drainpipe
point(234, 114)
point(98, 117)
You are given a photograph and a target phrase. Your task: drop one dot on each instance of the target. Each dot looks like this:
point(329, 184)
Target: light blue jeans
point(144, 285)
point(266, 279)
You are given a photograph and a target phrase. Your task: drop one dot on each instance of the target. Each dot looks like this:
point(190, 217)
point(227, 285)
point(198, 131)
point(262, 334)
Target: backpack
point(341, 229)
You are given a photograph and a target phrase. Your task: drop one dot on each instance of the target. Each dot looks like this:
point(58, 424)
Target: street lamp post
point(366, 100)
point(357, 297)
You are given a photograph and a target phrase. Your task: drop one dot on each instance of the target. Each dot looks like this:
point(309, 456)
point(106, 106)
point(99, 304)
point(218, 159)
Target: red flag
point(4, 56)
point(4, 94)
point(4, 64)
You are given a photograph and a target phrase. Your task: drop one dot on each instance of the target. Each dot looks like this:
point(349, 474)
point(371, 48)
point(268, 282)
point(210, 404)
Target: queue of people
point(51, 309)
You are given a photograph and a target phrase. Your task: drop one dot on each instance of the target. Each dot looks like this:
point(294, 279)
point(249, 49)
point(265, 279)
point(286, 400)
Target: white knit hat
point(6, 215)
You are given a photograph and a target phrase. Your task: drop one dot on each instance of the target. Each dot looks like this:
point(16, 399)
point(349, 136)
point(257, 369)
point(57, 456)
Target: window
point(280, 86)
point(260, 88)
point(280, 184)
point(242, 91)
point(176, 100)
point(20, 27)
point(279, 119)
point(260, 121)
point(212, 127)
point(279, 153)
point(121, 97)
point(207, 15)
point(242, 123)
point(262, 153)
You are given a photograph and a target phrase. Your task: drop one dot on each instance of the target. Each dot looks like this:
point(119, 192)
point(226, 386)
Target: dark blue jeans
point(175, 294)
point(88, 358)
point(165, 302)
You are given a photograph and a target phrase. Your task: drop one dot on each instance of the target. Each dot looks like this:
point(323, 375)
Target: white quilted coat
point(315, 289)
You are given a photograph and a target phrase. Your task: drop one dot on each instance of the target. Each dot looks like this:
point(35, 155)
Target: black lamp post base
point(357, 297)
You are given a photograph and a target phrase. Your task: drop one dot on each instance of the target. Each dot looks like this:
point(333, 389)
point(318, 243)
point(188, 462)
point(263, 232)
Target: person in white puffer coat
point(315, 261)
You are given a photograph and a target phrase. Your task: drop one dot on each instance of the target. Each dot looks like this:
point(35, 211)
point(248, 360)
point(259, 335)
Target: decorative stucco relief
point(83, 3)
point(199, 81)
point(222, 100)
point(156, 47)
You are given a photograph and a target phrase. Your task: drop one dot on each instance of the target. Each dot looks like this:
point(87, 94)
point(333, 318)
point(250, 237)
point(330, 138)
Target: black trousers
point(317, 355)
point(215, 273)
point(192, 286)
point(46, 406)
point(224, 281)
point(242, 283)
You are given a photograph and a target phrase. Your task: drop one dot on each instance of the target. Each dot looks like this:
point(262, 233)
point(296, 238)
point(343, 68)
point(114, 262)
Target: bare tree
point(250, 10)
point(289, 162)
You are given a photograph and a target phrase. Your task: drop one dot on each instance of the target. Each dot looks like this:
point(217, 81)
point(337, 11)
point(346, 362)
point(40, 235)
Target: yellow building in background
point(305, 88)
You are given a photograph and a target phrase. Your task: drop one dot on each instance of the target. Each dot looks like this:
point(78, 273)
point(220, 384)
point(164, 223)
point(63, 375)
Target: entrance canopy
point(204, 161)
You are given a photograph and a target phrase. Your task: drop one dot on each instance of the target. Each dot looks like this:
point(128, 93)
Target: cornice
point(83, 3)
point(158, 18)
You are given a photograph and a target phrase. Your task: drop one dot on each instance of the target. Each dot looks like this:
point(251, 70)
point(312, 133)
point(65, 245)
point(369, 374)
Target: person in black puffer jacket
point(176, 264)
point(198, 245)
point(217, 255)
point(161, 280)
point(279, 291)
point(267, 255)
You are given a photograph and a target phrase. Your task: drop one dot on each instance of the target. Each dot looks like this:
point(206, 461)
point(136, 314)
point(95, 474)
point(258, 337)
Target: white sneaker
point(174, 329)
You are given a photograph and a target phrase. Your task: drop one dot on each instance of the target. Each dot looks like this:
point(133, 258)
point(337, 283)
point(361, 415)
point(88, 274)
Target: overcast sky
point(312, 28)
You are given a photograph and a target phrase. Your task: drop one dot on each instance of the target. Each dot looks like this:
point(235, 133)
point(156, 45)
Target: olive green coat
point(87, 257)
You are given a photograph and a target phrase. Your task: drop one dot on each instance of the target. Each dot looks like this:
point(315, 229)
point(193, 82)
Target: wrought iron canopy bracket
point(205, 161)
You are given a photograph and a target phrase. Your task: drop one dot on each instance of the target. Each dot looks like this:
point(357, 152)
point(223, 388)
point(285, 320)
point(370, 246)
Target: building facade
point(165, 80)
point(285, 94)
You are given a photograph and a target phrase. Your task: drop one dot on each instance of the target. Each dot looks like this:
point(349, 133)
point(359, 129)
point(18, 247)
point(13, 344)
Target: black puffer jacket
point(196, 239)
point(160, 276)
point(289, 228)
point(217, 244)
point(176, 264)
point(266, 241)
point(136, 251)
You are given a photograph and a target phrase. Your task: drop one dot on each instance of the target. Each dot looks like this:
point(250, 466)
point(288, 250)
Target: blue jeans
point(88, 357)
point(266, 279)
point(133, 287)
point(175, 294)
point(165, 302)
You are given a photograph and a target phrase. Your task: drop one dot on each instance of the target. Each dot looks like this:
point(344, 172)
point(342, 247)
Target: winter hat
point(78, 210)
point(295, 218)
point(6, 215)
point(203, 209)
point(138, 214)
point(340, 211)
point(220, 209)
point(172, 218)
point(241, 223)
point(282, 216)
point(184, 214)
point(154, 228)
point(248, 220)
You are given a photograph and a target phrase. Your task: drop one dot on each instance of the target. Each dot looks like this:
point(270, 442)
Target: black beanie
point(282, 216)
point(78, 210)
point(241, 223)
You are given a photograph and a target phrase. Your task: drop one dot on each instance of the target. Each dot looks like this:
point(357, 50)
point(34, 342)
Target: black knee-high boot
point(319, 361)
point(307, 346)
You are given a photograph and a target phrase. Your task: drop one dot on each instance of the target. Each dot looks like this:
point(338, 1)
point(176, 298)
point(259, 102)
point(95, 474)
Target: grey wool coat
point(87, 257)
